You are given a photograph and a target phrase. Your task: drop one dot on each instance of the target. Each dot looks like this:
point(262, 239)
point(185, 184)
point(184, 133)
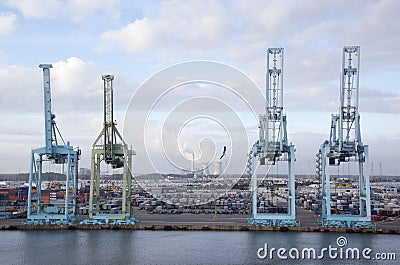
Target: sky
point(137, 40)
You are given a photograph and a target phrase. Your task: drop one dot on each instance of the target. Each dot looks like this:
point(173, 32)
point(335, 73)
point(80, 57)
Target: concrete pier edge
point(195, 227)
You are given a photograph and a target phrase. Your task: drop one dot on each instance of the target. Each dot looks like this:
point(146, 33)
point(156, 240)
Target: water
point(177, 247)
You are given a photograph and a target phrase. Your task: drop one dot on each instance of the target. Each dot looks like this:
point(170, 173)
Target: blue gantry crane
point(110, 147)
point(345, 146)
point(272, 146)
point(40, 212)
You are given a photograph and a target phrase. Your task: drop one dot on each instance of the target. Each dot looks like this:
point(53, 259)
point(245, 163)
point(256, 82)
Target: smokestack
point(193, 162)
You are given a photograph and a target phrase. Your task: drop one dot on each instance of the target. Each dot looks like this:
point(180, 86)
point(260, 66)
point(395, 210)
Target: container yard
point(232, 210)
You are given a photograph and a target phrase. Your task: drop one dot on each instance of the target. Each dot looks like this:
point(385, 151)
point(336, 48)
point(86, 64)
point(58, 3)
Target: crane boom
point(48, 116)
point(274, 93)
point(109, 139)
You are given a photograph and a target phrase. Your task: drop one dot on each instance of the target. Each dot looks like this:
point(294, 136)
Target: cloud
point(73, 9)
point(381, 103)
point(18, 89)
point(313, 35)
point(220, 25)
point(376, 29)
point(36, 8)
point(390, 164)
point(77, 77)
point(135, 37)
point(7, 23)
point(177, 24)
point(75, 85)
point(81, 9)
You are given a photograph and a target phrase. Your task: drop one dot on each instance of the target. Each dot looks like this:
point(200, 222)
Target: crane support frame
point(110, 148)
point(38, 211)
point(345, 145)
point(272, 146)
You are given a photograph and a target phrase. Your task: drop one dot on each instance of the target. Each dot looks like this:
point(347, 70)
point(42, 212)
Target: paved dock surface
point(219, 222)
point(306, 218)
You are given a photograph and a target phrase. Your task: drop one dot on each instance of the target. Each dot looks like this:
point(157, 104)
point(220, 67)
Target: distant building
point(205, 170)
point(84, 172)
point(218, 168)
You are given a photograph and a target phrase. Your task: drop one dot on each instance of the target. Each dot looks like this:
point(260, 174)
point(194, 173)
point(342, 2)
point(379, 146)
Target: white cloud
point(135, 37)
point(7, 22)
point(81, 9)
point(75, 85)
point(177, 24)
point(312, 33)
point(79, 85)
point(75, 76)
point(73, 9)
point(18, 88)
point(226, 25)
point(36, 8)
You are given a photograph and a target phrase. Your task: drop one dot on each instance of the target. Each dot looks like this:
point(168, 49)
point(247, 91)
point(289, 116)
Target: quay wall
point(196, 227)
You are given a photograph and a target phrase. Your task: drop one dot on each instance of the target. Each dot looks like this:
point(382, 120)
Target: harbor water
point(189, 247)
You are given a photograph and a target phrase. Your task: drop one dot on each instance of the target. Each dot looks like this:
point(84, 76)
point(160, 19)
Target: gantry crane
point(40, 212)
point(272, 146)
point(111, 148)
point(345, 145)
